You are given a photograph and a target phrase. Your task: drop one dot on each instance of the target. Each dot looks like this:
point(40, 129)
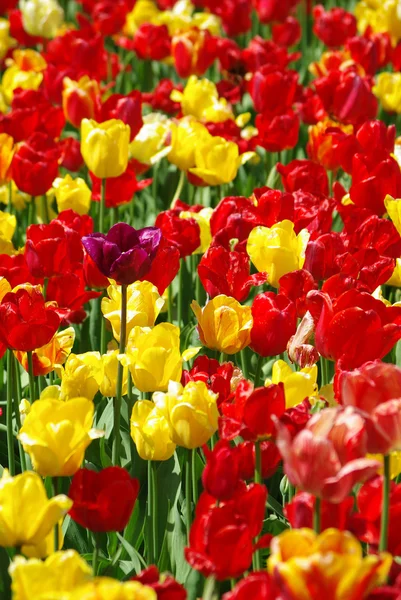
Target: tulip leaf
point(136, 562)
point(5, 581)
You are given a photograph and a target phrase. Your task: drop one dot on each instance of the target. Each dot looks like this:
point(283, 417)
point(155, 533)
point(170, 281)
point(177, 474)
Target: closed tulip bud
point(224, 324)
point(217, 160)
point(153, 356)
point(299, 559)
point(144, 304)
point(191, 412)
point(104, 147)
point(110, 367)
point(298, 385)
point(25, 497)
point(59, 574)
point(56, 434)
point(80, 99)
point(72, 193)
point(151, 432)
point(41, 17)
point(277, 250)
point(82, 375)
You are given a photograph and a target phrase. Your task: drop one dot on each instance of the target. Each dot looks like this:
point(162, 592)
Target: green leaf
point(136, 562)
point(5, 580)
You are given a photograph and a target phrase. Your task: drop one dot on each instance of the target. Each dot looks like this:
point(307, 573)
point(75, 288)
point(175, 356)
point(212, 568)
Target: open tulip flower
point(200, 299)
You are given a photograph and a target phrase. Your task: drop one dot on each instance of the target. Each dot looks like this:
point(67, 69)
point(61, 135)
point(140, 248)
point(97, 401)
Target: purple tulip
point(125, 254)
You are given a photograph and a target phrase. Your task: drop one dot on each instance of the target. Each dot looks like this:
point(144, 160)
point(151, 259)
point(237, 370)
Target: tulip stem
point(385, 504)
point(170, 303)
point(154, 509)
point(120, 371)
point(188, 492)
point(244, 364)
point(258, 463)
point(180, 293)
point(31, 377)
point(258, 371)
point(317, 513)
point(56, 527)
point(180, 185)
point(95, 554)
point(208, 590)
point(10, 435)
point(45, 209)
point(194, 480)
point(17, 399)
point(102, 206)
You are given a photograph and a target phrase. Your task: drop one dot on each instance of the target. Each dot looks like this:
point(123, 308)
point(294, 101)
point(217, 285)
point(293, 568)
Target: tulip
point(149, 146)
point(221, 475)
point(126, 108)
point(317, 462)
point(61, 573)
point(200, 99)
point(82, 376)
point(143, 306)
point(296, 554)
point(190, 411)
point(52, 355)
point(104, 588)
point(80, 99)
point(56, 434)
point(72, 194)
point(35, 165)
point(27, 516)
point(6, 156)
point(274, 322)
point(124, 254)
point(41, 17)
point(26, 321)
point(108, 386)
point(164, 585)
point(103, 501)
point(259, 585)
point(8, 224)
point(387, 89)
point(224, 324)
point(277, 250)
point(217, 160)
point(118, 190)
point(165, 266)
point(153, 357)
point(334, 26)
point(304, 175)
point(151, 432)
point(28, 78)
point(185, 136)
point(298, 385)
point(185, 234)
point(104, 147)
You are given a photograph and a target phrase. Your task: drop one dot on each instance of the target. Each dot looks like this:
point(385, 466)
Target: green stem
point(180, 293)
point(56, 527)
point(102, 207)
point(149, 537)
point(17, 399)
point(208, 590)
point(10, 434)
point(324, 371)
point(45, 209)
point(95, 555)
point(155, 532)
point(188, 492)
point(170, 303)
point(194, 480)
point(244, 364)
point(258, 463)
point(385, 504)
point(120, 372)
point(130, 406)
point(223, 357)
point(114, 215)
point(180, 185)
point(103, 337)
point(31, 377)
point(317, 515)
point(291, 491)
point(258, 371)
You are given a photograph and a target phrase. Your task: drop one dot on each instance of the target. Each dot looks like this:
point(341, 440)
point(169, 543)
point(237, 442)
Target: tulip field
point(200, 300)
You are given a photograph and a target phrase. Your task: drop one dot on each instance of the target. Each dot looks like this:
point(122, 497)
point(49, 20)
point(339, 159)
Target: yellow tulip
point(395, 278)
point(110, 368)
point(203, 219)
point(6, 42)
point(52, 579)
point(388, 90)
point(149, 145)
point(190, 411)
point(5, 287)
point(6, 156)
point(224, 324)
point(52, 356)
point(298, 385)
point(200, 99)
point(277, 250)
point(185, 135)
point(151, 432)
point(41, 17)
point(144, 304)
point(153, 356)
point(56, 434)
point(393, 207)
point(144, 11)
point(18, 199)
point(104, 147)
point(104, 588)
point(27, 515)
point(380, 15)
point(8, 223)
point(81, 376)
point(14, 78)
point(72, 193)
point(307, 565)
point(217, 160)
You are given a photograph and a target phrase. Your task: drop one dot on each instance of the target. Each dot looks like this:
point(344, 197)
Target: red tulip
point(125, 108)
point(304, 175)
point(165, 266)
point(220, 476)
point(258, 585)
point(334, 26)
point(274, 322)
point(26, 321)
point(119, 190)
point(287, 33)
point(68, 290)
point(372, 181)
point(165, 586)
point(270, 458)
point(182, 233)
point(35, 164)
point(152, 42)
point(295, 286)
point(273, 90)
point(279, 132)
point(103, 501)
point(220, 378)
